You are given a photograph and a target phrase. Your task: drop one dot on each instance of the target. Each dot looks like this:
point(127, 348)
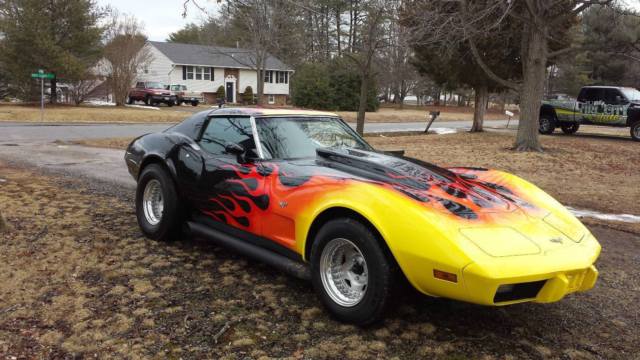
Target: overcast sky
point(160, 17)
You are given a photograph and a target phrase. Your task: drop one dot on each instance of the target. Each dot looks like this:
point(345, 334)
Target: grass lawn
point(89, 114)
point(584, 171)
point(78, 280)
point(107, 114)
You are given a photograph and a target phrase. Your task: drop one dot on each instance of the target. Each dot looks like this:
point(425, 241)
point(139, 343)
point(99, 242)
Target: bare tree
point(125, 55)
point(542, 25)
point(79, 89)
point(372, 39)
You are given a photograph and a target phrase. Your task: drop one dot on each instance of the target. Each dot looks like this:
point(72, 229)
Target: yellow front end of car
point(509, 257)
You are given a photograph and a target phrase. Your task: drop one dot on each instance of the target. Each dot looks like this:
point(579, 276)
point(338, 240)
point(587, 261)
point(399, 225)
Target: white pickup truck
point(185, 96)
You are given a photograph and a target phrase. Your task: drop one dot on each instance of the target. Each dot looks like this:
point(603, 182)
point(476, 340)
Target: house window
point(189, 72)
point(206, 73)
point(282, 77)
point(272, 99)
point(198, 73)
point(268, 76)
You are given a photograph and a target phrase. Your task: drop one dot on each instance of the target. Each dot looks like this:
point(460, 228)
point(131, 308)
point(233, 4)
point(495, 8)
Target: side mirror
point(236, 149)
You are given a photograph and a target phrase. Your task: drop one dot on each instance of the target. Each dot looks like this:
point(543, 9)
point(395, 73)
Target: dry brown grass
point(88, 114)
point(419, 114)
point(107, 114)
point(77, 280)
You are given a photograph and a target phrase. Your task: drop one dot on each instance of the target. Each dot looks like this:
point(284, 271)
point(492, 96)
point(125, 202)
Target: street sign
point(42, 76)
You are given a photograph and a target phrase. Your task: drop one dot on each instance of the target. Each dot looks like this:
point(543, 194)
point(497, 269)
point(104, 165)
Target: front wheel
point(570, 128)
point(635, 130)
point(170, 104)
point(352, 272)
point(194, 103)
point(157, 204)
point(547, 125)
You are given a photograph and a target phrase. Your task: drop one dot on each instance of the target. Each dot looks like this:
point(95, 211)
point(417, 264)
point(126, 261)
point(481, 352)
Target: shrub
point(247, 96)
point(220, 92)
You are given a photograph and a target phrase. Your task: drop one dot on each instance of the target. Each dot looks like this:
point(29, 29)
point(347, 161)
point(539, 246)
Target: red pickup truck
point(152, 93)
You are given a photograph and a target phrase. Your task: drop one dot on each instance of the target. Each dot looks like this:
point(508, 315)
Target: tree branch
point(493, 76)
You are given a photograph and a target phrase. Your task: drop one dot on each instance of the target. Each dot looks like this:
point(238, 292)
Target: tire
point(371, 260)
point(164, 224)
point(170, 104)
point(635, 130)
point(570, 128)
point(546, 125)
point(194, 103)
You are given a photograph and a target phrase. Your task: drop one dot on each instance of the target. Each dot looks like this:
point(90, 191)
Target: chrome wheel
point(343, 271)
point(152, 202)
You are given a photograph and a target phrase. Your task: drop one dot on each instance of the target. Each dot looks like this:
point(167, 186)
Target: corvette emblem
point(283, 204)
point(556, 240)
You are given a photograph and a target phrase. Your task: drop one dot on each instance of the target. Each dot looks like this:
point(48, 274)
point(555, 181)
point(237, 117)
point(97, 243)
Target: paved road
point(35, 144)
point(21, 132)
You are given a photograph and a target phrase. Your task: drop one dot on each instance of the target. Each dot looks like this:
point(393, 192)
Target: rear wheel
point(547, 124)
point(157, 204)
point(635, 130)
point(570, 128)
point(194, 103)
point(351, 271)
point(170, 103)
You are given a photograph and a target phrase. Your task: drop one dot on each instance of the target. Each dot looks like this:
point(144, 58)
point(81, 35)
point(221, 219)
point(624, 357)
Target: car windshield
point(631, 94)
point(154, 85)
point(175, 87)
point(299, 137)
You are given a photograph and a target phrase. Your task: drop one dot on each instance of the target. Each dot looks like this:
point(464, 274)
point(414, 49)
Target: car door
point(591, 104)
point(230, 192)
point(615, 107)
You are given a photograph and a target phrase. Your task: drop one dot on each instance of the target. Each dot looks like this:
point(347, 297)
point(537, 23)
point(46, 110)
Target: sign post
point(42, 75)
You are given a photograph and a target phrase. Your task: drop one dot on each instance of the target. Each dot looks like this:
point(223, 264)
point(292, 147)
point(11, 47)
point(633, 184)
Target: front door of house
point(230, 91)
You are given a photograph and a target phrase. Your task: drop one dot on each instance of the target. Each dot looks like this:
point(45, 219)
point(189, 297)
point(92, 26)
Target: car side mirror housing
point(237, 150)
point(620, 100)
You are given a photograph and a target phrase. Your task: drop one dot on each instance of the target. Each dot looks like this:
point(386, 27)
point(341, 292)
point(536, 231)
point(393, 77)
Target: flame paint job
point(431, 218)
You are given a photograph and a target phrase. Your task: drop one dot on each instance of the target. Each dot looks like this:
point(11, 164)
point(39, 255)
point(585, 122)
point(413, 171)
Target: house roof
point(216, 56)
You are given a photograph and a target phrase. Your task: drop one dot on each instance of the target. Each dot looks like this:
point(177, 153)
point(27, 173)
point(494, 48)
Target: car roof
point(256, 112)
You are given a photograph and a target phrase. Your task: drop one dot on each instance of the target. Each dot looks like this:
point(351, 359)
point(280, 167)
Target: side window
point(221, 131)
point(591, 94)
point(140, 85)
point(613, 97)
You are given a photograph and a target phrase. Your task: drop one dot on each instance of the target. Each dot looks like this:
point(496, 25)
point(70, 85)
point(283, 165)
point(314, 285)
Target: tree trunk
point(53, 98)
point(362, 108)
point(532, 89)
point(480, 107)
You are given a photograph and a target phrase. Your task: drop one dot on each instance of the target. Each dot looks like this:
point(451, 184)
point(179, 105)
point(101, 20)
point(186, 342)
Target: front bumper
point(164, 98)
point(541, 288)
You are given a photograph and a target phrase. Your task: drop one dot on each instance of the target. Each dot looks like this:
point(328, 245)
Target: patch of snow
point(608, 217)
point(100, 103)
point(3, 180)
point(443, 131)
point(143, 107)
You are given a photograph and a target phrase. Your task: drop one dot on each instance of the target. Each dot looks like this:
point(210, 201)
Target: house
point(206, 68)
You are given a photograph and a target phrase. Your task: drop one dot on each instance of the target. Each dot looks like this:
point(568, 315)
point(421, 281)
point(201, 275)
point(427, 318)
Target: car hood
point(466, 193)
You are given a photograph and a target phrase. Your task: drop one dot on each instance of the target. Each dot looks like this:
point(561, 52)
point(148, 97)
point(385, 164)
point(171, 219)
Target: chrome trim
point(256, 137)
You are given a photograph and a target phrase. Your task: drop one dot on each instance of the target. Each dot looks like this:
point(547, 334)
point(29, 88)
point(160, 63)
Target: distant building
point(205, 68)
